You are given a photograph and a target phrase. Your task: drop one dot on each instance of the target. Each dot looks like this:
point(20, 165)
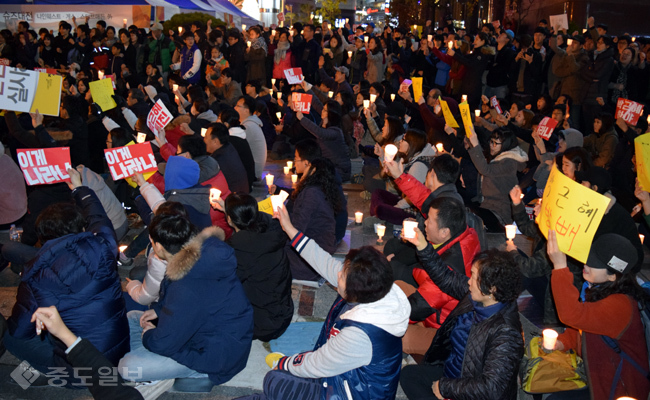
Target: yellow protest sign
point(642, 156)
point(466, 117)
point(417, 88)
point(573, 211)
point(265, 206)
point(446, 112)
point(48, 94)
point(102, 92)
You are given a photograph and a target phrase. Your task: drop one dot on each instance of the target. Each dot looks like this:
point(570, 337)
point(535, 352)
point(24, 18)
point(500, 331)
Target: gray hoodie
point(255, 139)
point(111, 204)
point(573, 138)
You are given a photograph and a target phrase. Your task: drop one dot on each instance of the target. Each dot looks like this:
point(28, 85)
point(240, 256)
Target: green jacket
point(163, 46)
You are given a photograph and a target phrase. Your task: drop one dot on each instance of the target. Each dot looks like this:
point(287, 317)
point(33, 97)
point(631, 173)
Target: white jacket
point(147, 291)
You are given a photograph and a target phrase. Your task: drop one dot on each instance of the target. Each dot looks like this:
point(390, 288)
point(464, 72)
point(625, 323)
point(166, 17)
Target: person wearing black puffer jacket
point(475, 64)
point(477, 350)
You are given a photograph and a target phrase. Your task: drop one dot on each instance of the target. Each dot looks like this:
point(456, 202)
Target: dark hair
point(579, 157)
point(171, 231)
point(379, 88)
point(244, 212)
point(65, 25)
point(416, 140)
point(249, 103)
point(607, 121)
point(118, 46)
point(348, 102)
point(256, 30)
point(446, 168)
point(378, 48)
point(171, 208)
point(101, 23)
point(451, 214)
point(254, 83)
point(195, 92)
point(24, 24)
point(395, 129)
point(624, 284)
point(188, 34)
point(201, 105)
point(230, 117)
point(137, 95)
point(508, 140)
point(368, 275)
point(607, 40)
point(498, 270)
point(120, 137)
point(193, 144)
point(561, 107)
point(110, 28)
point(333, 113)
point(227, 72)
point(58, 220)
point(198, 24)
point(529, 117)
point(322, 174)
point(219, 131)
point(308, 149)
point(484, 37)
point(84, 28)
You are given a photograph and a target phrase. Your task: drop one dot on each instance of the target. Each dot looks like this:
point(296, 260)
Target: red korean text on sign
point(44, 166)
point(124, 161)
point(629, 110)
point(158, 117)
point(545, 128)
point(301, 102)
point(495, 104)
point(294, 75)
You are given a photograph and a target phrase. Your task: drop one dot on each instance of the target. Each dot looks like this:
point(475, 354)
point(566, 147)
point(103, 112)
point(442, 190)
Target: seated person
point(604, 316)
point(477, 350)
point(218, 146)
point(75, 269)
point(202, 324)
point(358, 354)
point(262, 265)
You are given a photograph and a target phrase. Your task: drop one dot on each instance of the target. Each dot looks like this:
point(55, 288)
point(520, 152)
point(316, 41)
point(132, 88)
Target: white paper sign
point(559, 22)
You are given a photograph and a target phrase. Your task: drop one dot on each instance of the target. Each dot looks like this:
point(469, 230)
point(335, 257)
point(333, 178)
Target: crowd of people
point(219, 271)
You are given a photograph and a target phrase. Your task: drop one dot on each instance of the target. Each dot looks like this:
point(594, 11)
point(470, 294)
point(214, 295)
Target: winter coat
point(533, 75)
point(567, 66)
point(476, 63)
point(497, 178)
point(256, 65)
point(358, 65)
point(616, 316)
point(245, 154)
point(596, 74)
point(161, 51)
point(205, 321)
point(494, 347)
point(263, 269)
point(376, 67)
point(257, 142)
point(601, 147)
point(285, 63)
point(13, 193)
point(333, 85)
point(572, 137)
point(332, 144)
point(147, 291)
point(230, 92)
point(77, 274)
point(500, 66)
point(232, 168)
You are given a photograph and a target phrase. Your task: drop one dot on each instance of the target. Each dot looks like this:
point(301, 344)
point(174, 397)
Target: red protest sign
point(629, 110)
point(495, 105)
point(301, 102)
point(545, 128)
point(44, 166)
point(124, 161)
point(158, 117)
point(294, 75)
point(51, 71)
point(280, 17)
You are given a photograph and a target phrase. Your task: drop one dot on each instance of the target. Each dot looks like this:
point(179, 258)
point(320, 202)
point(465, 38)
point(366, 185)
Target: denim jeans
point(500, 91)
point(142, 365)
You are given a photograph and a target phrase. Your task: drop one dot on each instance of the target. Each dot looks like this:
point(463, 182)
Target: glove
point(120, 101)
point(95, 109)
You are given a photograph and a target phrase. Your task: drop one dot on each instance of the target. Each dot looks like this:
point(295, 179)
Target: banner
point(124, 161)
point(629, 110)
point(545, 128)
point(642, 157)
point(558, 22)
point(44, 166)
point(495, 104)
point(466, 116)
point(25, 91)
point(294, 76)
point(102, 92)
point(301, 102)
point(446, 112)
point(158, 117)
point(417, 89)
point(573, 212)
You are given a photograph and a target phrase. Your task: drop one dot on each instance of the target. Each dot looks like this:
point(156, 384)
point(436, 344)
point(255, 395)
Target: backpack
point(644, 312)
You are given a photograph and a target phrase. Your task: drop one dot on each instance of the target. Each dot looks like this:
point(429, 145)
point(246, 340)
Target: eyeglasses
point(495, 143)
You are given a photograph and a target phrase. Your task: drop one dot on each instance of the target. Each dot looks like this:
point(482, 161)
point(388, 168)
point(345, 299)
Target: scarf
point(259, 43)
point(281, 51)
point(621, 79)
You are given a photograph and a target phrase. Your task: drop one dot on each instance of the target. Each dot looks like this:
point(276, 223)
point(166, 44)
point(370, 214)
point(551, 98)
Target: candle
point(271, 92)
point(450, 44)
point(276, 201)
point(204, 131)
point(584, 30)
point(330, 94)
point(273, 81)
point(358, 217)
point(365, 39)
point(347, 20)
point(389, 152)
point(273, 32)
point(294, 178)
point(511, 231)
point(373, 97)
point(215, 194)
point(176, 97)
point(290, 164)
point(180, 30)
point(381, 230)
point(521, 196)
point(550, 337)
point(349, 54)
point(122, 248)
point(366, 103)
point(141, 137)
point(279, 94)
point(429, 37)
point(440, 147)
point(175, 87)
point(633, 39)
point(302, 32)
point(286, 170)
point(124, 21)
point(641, 238)
point(408, 228)
point(415, 27)
point(248, 43)
point(100, 74)
point(392, 96)
point(648, 119)
point(477, 113)
point(464, 98)
point(569, 42)
point(243, 27)
point(278, 114)
point(269, 179)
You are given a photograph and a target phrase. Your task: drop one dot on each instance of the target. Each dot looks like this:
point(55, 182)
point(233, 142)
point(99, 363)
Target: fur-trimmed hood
point(185, 260)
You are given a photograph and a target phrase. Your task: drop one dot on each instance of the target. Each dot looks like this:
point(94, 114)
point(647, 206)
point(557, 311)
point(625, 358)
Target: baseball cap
point(156, 26)
point(614, 252)
point(344, 70)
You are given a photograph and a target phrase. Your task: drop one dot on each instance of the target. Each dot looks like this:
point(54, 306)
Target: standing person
point(310, 54)
point(63, 43)
point(567, 65)
point(358, 63)
point(190, 62)
point(160, 49)
point(596, 74)
point(498, 70)
point(254, 134)
point(602, 317)
point(476, 62)
point(235, 53)
point(256, 56)
point(376, 61)
point(282, 57)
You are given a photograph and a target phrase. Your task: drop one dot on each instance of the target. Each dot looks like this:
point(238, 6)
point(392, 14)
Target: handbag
point(549, 372)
